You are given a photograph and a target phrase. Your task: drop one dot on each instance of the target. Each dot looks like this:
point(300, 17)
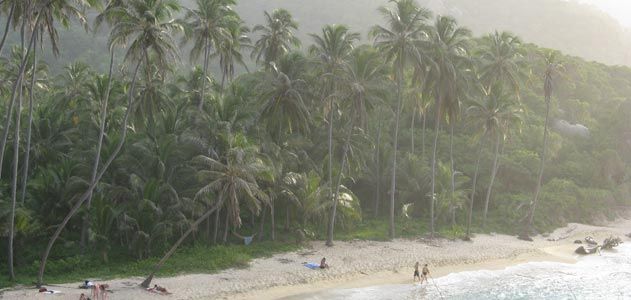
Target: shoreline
point(354, 264)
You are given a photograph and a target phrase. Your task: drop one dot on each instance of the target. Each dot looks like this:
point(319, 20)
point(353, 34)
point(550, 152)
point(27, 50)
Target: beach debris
point(587, 250)
point(628, 234)
point(578, 242)
point(590, 240)
point(611, 242)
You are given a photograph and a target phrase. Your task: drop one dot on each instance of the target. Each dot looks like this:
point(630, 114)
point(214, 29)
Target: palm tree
point(229, 49)
point(364, 77)
point(231, 182)
point(333, 48)
point(148, 24)
point(277, 37)
point(400, 42)
point(449, 52)
point(207, 25)
point(552, 69)
point(501, 60)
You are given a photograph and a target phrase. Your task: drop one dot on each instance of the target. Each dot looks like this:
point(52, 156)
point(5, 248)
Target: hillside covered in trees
point(405, 126)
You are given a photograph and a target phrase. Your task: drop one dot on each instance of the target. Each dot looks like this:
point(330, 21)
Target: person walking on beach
point(416, 273)
point(425, 273)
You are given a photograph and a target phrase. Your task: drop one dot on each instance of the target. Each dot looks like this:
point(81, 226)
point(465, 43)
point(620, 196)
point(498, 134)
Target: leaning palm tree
point(400, 41)
point(148, 25)
point(333, 48)
point(206, 26)
point(552, 69)
point(277, 37)
point(232, 182)
point(448, 48)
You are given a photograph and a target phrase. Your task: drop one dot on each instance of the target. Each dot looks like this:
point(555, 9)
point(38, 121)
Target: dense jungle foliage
point(417, 128)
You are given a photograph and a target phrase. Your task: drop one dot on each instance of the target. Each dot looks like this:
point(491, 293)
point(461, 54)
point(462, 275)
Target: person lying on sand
point(323, 264)
point(425, 273)
point(416, 274)
point(87, 284)
point(47, 291)
point(158, 289)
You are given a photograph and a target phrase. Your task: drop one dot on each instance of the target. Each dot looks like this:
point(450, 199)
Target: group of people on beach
point(424, 273)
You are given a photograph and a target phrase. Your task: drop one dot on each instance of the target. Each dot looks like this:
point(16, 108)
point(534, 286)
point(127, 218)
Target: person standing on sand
point(425, 273)
point(416, 273)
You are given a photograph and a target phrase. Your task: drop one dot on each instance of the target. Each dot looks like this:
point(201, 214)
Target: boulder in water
point(587, 250)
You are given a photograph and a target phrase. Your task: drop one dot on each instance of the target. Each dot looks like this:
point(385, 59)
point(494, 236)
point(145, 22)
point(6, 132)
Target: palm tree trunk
point(452, 207)
point(18, 82)
point(225, 229)
point(531, 213)
point(489, 190)
point(157, 267)
point(423, 137)
point(262, 225)
point(412, 128)
point(200, 105)
point(393, 183)
point(272, 216)
point(216, 228)
point(475, 181)
point(331, 227)
point(97, 157)
point(30, 123)
point(378, 162)
point(287, 217)
point(85, 195)
point(433, 191)
point(7, 26)
point(14, 182)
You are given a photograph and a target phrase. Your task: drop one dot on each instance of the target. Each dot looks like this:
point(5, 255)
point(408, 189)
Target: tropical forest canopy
point(410, 124)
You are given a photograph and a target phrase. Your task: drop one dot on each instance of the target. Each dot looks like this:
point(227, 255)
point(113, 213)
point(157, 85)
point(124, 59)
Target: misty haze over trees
point(196, 126)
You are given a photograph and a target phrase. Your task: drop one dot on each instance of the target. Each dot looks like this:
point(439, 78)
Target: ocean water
point(593, 277)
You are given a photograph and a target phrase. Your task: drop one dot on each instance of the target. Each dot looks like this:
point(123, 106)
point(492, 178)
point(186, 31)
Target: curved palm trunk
point(85, 195)
point(30, 123)
point(331, 227)
point(531, 213)
point(7, 26)
point(433, 191)
point(489, 190)
point(97, 158)
point(159, 265)
point(475, 181)
point(393, 183)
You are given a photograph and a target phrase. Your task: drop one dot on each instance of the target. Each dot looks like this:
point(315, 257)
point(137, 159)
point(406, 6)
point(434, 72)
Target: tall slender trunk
point(475, 181)
point(330, 137)
point(157, 267)
point(378, 162)
point(216, 227)
point(14, 90)
point(273, 219)
point(225, 229)
point(97, 156)
point(331, 227)
point(7, 26)
point(393, 183)
point(433, 191)
point(412, 128)
point(200, 105)
point(452, 206)
point(423, 137)
point(30, 123)
point(85, 195)
point(287, 217)
point(489, 189)
point(531, 213)
point(262, 225)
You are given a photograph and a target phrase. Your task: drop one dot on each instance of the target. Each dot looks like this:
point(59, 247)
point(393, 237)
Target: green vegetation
point(421, 130)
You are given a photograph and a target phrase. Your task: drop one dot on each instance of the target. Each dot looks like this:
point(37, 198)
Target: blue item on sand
point(312, 266)
point(247, 239)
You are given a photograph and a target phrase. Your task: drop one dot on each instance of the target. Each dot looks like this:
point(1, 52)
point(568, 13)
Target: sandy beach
point(353, 264)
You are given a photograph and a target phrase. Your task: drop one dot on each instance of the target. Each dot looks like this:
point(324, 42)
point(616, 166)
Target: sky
point(619, 9)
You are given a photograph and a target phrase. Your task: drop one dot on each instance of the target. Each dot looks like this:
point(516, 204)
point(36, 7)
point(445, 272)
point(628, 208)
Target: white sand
point(353, 264)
